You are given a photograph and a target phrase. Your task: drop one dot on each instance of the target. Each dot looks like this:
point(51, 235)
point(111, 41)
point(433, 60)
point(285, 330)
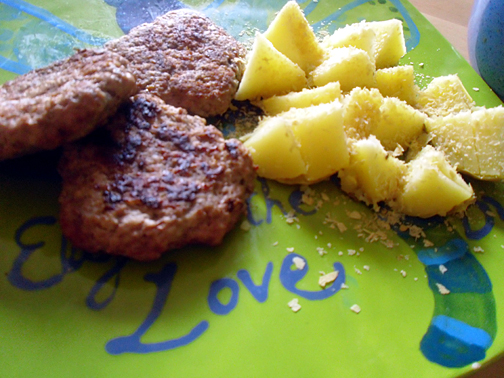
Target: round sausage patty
point(62, 102)
point(154, 179)
point(186, 59)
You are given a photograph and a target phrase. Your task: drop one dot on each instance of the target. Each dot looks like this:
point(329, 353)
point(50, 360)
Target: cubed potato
point(292, 35)
point(307, 97)
point(350, 66)
point(373, 175)
point(323, 144)
point(398, 81)
point(390, 45)
point(472, 141)
point(358, 35)
point(432, 187)
point(300, 146)
point(399, 124)
point(443, 96)
point(275, 150)
point(362, 111)
point(268, 72)
point(455, 136)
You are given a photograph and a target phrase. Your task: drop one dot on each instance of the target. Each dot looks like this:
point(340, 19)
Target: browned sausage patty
point(62, 102)
point(155, 179)
point(186, 59)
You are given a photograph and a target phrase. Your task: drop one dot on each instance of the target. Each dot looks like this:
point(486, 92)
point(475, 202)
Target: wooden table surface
point(451, 18)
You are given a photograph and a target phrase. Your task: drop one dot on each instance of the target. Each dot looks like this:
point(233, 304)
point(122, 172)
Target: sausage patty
point(154, 179)
point(62, 102)
point(186, 59)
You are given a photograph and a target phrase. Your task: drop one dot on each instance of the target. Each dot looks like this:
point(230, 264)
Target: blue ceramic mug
point(486, 42)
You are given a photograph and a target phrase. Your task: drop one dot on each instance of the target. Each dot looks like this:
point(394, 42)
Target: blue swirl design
point(464, 323)
point(131, 13)
point(32, 37)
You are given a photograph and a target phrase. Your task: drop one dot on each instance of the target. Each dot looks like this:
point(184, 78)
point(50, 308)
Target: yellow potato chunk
point(443, 96)
point(275, 150)
point(350, 66)
point(359, 36)
point(305, 98)
point(362, 111)
point(390, 45)
point(323, 144)
point(399, 124)
point(373, 175)
point(472, 141)
point(300, 146)
point(292, 35)
point(398, 81)
point(432, 186)
point(268, 72)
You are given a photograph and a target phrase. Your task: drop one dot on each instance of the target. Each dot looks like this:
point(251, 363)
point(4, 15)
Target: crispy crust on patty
point(186, 59)
point(155, 179)
point(62, 102)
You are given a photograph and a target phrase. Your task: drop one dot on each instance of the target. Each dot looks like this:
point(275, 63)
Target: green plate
point(223, 312)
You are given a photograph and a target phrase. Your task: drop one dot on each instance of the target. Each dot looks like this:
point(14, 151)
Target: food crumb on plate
point(354, 215)
point(476, 365)
point(321, 251)
point(478, 250)
point(442, 289)
point(294, 305)
point(290, 249)
point(299, 262)
point(245, 226)
point(443, 269)
point(428, 243)
point(290, 218)
point(355, 308)
point(328, 278)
